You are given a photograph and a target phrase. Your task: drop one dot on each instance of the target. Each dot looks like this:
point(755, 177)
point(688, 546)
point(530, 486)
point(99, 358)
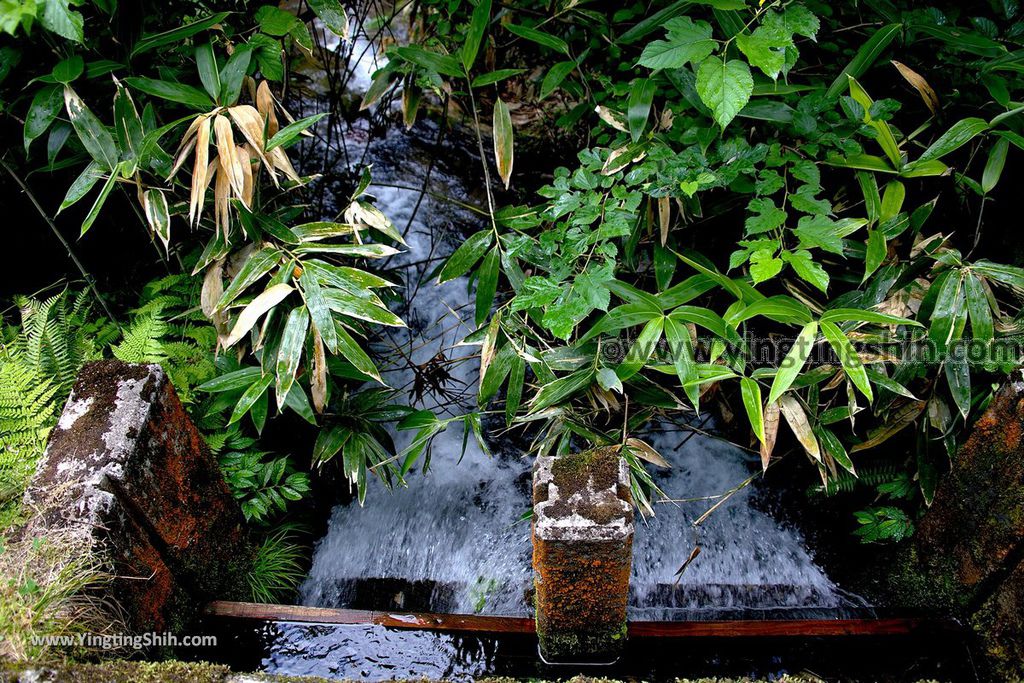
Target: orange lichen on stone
point(126, 472)
point(582, 554)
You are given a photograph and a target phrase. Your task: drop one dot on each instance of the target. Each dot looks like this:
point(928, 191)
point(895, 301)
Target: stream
point(452, 541)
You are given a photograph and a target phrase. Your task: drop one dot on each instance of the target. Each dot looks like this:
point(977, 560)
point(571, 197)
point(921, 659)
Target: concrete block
point(127, 476)
point(582, 554)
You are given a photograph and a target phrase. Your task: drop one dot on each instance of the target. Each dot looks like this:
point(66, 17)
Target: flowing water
point(453, 540)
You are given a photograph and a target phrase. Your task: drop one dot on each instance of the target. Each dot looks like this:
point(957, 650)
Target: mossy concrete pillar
point(582, 554)
point(129, 483)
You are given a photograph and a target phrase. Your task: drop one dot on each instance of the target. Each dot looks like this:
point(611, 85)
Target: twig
point(89, 280)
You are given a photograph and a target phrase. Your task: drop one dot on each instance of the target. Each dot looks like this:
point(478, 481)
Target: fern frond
point(142, 341)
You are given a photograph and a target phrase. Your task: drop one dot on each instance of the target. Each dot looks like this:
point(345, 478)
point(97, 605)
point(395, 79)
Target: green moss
point(141, 672)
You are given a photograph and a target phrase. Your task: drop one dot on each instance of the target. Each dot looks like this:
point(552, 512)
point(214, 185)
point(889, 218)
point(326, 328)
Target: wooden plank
point(325, 615)
point(472, 623)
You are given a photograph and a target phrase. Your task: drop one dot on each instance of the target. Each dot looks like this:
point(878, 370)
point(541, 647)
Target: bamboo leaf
point(176, 35)
point(794, 361)
point(503, 152)
point(271, 297)
point(641, 95)
point(94, 136)
point(468, 253)
point(853, 366)
point(865, 57)
point(475, 33)
point(750, 391)
point(796, 418)
point(293, 338)
point(487, 285)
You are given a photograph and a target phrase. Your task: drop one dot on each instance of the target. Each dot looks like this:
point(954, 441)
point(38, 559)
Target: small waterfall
point(455, 531)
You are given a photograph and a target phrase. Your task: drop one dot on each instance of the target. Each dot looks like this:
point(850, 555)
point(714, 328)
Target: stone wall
point(127, 478)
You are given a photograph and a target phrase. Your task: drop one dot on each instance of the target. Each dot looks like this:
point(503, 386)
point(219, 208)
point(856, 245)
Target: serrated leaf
point(686, 42)
point(724, 87)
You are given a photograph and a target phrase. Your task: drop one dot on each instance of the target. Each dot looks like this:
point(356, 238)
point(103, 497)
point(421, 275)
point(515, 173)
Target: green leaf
point(459, 263)
point(765, 49)
point(232, 74)
point(724, 87)
point(319, 311)
point(554, 77)
point(653, 22)
point(958, 135)
point(176, 35)
point(275, 21)
point(46, 105)
point(686, 42)
point(1008, 275)
point(503, 140)
point(256, 266)
point(332, 14)
point(492, 77)
point(853, 366)
point(250, 396)
point(82, 184)
point(807, 268)
point(232, 381)
point(354, 353)
point(293, 338)
point(958, 376)
point(291, 132)
point(487, 285)
point(61, 19)
point(68, 69)
point(834, 447)
point(768, 216)
point(978, 308)
point(950, 308)
point(101, 198)
point(539, 37)
point(497, 371)
point(994, 165)
point(842, 315)
point(794, 361)
point(556, 392)
point(93, 135)
point(174, 92)
point(641, 95)
point(209, 73)
point(750, 391)
point(475, 33)
point(886, 139)
point(432, 61)
point(764, 265)
point(865, 57)
point(642, 349)
point(876, 252)
point(681, 347)
point(514, 389)
point(363, 309)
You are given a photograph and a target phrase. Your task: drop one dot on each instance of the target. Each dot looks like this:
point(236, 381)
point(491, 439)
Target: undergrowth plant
point(780, 206)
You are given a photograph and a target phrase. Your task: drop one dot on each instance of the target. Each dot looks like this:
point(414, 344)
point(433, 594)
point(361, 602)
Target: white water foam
point(457, 525)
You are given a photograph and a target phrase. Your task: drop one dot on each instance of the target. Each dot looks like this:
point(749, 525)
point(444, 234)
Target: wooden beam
point(483, 624)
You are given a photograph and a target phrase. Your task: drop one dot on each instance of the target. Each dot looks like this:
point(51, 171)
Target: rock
point(582, 554)
point(128, 478)
point(966, 557)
